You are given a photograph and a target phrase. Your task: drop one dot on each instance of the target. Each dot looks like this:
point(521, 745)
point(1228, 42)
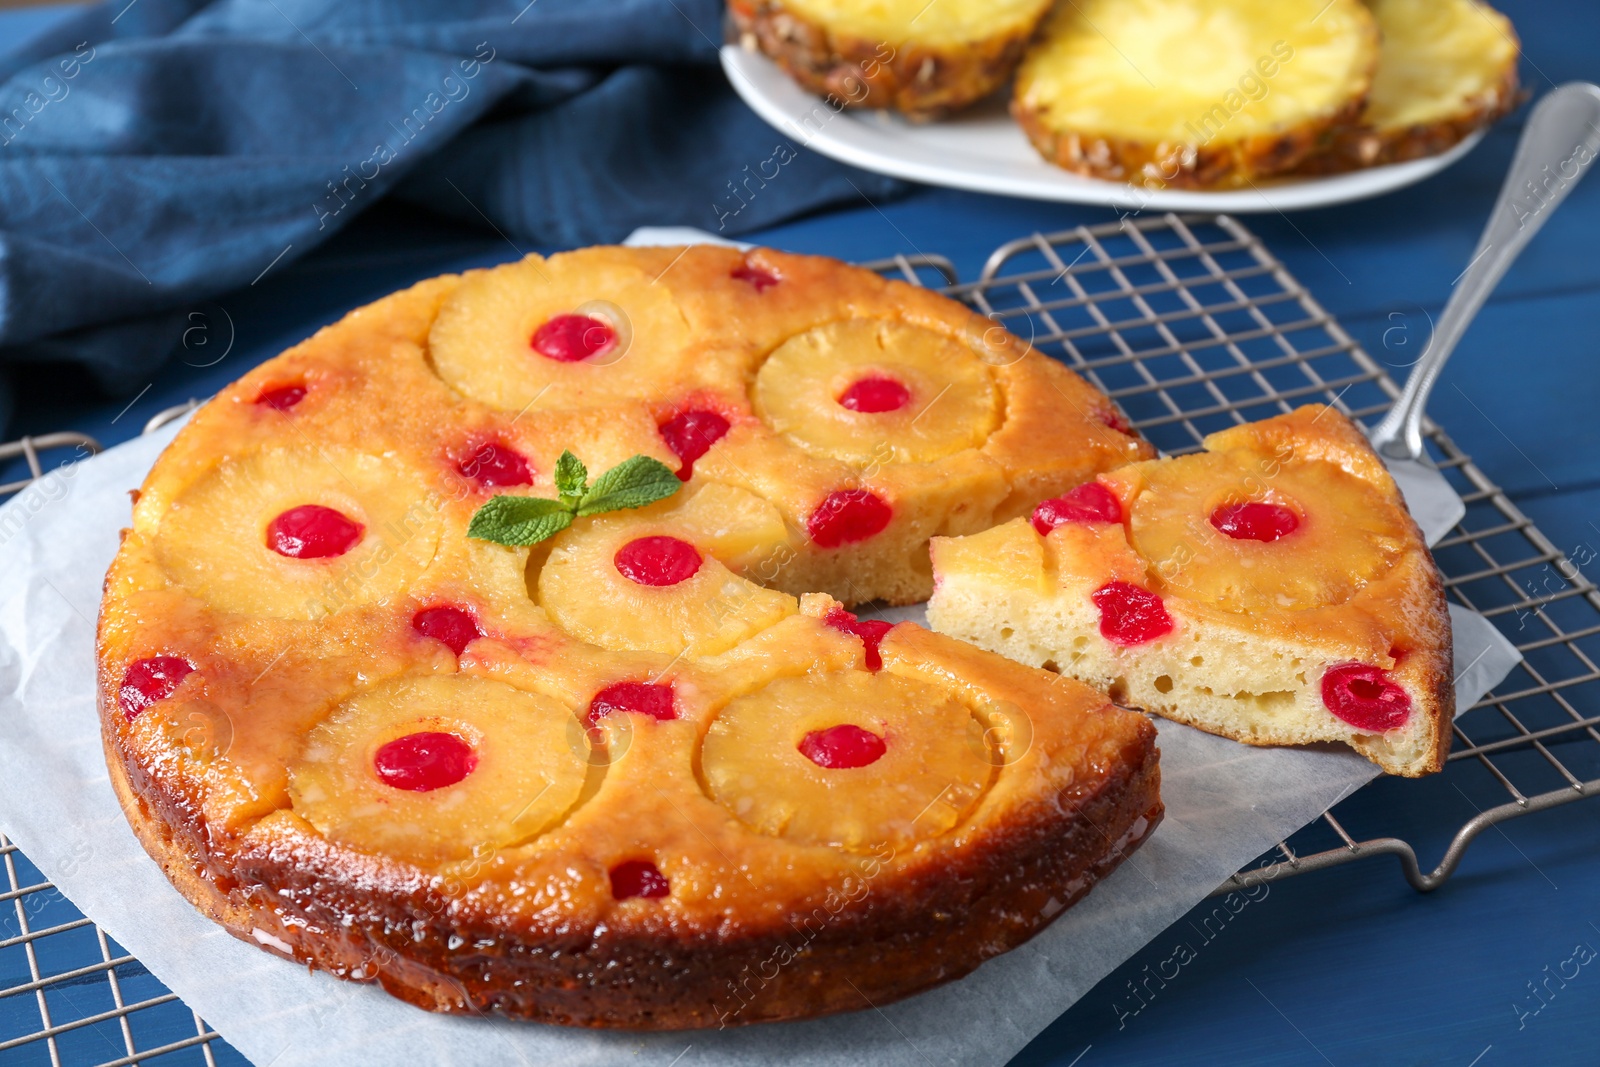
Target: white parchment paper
point(1226, 803)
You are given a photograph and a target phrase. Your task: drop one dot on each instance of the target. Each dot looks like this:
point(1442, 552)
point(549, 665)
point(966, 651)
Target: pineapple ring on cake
point(1274, 590)
point(298, 532)
point(575, 330)
point(1193, 92)
point(1447, 68)
point(855, 760)
point(1337, 536)
point(628, 582)
point(866, 390)
point(489, 743)
point(919, 58)
point(739, 528)
point(439, 768)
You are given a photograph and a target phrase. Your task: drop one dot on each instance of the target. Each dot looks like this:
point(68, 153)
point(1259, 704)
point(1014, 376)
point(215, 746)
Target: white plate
point(983, 150)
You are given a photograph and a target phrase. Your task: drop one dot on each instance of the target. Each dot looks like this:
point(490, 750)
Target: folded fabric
point(158, 152)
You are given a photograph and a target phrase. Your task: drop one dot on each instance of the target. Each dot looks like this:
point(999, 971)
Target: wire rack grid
point(1191, 325)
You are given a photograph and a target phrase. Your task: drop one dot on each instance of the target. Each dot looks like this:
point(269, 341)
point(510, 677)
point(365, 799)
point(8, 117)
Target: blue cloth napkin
point(156, 152)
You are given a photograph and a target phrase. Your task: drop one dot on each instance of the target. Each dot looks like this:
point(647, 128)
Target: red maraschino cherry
point(654, 699)
point(495, 465)
point(638, 878)
point(150, 681)
point(311, 531)
point(1255, 521)
point(573, 338)
point(847, 516)
point(873, 396)
point(761, 280)
point(281, 398)
point(871, 632)
point(1364, 697)
point(657, 560)
point(454, 626)
point(690, 435)
point(424, 761)
point(1130, 615)
point(842, 747)
point(1088, 503)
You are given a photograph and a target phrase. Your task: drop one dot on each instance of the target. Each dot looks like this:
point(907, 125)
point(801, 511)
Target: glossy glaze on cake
point(623, 777)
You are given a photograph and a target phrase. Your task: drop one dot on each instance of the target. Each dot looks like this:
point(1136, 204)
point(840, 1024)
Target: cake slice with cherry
point(1272, 589)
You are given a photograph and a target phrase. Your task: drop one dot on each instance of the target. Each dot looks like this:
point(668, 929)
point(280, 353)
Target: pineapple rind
point(1447, 68)
point(920, 59)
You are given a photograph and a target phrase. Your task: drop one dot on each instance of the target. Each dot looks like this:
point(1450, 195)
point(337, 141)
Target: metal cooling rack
point(1191, 325)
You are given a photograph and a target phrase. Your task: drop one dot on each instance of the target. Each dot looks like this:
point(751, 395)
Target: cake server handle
point(1558, 145)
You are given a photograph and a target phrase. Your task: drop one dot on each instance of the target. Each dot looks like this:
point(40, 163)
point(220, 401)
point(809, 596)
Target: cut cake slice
point(1272, 589)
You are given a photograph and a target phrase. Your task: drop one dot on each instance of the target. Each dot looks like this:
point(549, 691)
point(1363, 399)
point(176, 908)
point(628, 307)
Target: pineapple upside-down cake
point(458, 648)
point(1272, 589)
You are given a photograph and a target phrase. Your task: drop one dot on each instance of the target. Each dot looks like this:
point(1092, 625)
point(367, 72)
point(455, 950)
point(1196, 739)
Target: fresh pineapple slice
point(1446, 69)
point(1334, 532)
point(434, 769)
point(576, 330)
point(855, 760)
point(858, 391)
point(949, 22)
point(654, 584)
point(918, 57)
point(1193, 92)
point(364, 532)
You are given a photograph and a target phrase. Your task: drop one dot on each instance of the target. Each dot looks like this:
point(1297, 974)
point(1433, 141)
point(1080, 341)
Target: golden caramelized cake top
point(335, 696)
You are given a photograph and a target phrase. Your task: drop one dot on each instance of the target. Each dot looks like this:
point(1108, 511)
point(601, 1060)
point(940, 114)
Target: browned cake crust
point(893, 924)
point(231, 778)
point(921, 80)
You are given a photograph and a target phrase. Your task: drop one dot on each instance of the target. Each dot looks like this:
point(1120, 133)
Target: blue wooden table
point(1348, 966)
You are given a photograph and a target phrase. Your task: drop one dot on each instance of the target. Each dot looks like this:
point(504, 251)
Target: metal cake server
point(1558, 146)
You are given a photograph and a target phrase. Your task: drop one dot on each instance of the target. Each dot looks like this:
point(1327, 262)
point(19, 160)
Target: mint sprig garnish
point(526, 520)
point(519, 520)
point(633, 483)
point(570, 476)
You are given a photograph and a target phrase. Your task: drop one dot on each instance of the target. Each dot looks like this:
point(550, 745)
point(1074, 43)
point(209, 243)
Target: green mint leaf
point(633, 483)
point(519, 520)
point(571, 475)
